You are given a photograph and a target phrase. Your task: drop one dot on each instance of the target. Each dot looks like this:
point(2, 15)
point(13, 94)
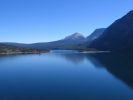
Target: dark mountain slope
point(96, 34)
point(118, 36)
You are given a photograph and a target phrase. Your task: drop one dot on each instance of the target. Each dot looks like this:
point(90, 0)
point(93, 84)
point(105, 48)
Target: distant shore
point(95, 51)
point(37, 52)
point(13, 53)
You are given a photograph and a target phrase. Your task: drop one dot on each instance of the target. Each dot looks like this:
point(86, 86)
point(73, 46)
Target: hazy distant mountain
point(16, 44)
point(118, 36)
point(68, 42)
point(93, 36)
point(77, 37)
point(96, 34)
point(74, 41)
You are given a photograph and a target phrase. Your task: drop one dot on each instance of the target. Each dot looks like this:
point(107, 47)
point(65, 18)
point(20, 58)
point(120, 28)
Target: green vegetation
point(7, 49)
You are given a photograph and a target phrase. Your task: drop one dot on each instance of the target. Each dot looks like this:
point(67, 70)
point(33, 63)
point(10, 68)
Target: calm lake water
point(66, 76)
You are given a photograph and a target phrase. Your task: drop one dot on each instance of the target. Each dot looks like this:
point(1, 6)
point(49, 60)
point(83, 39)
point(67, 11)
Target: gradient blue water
point(59, 77)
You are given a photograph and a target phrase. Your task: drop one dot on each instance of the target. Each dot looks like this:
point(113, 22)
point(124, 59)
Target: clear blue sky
point(30, 21)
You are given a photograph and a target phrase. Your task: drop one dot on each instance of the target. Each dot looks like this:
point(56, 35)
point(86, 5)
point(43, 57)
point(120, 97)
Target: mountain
point(22, 45)
point(69, 42)
point(77, 37)
point(7, 49)
point(96, 34)
point(74, 41)
point(117, 37)
point(92, 37)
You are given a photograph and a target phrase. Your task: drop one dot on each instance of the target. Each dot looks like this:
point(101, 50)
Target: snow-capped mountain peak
point(75, 36)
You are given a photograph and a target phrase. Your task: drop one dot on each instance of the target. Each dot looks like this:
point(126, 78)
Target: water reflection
point(119, 65)
point(73, 57)
point(56, 77)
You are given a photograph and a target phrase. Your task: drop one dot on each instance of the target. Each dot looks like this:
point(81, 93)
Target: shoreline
point(91, 52)
point(84, 52)
point(14, 53)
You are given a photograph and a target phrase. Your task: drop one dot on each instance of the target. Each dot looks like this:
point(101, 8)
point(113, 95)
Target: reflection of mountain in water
point(73, 57)
point(121, 66)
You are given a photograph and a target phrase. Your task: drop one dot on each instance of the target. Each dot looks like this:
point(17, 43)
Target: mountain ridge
point(73, 41)
point(118, 36)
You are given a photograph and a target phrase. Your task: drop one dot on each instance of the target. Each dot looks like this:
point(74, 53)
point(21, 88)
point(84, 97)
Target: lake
point(66, 76)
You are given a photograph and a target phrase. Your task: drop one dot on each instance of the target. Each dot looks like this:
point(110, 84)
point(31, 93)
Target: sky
point(30, 21)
